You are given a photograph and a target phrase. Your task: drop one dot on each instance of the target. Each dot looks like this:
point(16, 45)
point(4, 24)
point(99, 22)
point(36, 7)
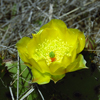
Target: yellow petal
point(66, 60)
point(75, 38)
point(56, 24)
point(71, 37)
point(39, 77)
point(81, 39)
point(40, 65)
point(56, 78)
point(43, 65)
point(74, 54)
point(49, 34)
point(78, 64)
point(55, 28)
point(33, 45)
point(22, 48)
point(57, 68)
point(23, 42)
point(34, 64)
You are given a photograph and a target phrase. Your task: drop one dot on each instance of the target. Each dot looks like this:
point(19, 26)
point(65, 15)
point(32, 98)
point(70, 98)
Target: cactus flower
point(52, 52)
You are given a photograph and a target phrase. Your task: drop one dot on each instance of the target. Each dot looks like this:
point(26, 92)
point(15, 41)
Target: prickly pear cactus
point(80, 85)
point(2, 68)
point(5, 79)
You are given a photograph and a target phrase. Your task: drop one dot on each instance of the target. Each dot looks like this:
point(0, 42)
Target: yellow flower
point(52, 52)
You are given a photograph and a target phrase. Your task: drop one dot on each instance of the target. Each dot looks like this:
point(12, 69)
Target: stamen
point(52, 50)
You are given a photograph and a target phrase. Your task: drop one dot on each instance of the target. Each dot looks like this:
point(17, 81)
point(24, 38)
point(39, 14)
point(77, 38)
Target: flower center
point(52, 50)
